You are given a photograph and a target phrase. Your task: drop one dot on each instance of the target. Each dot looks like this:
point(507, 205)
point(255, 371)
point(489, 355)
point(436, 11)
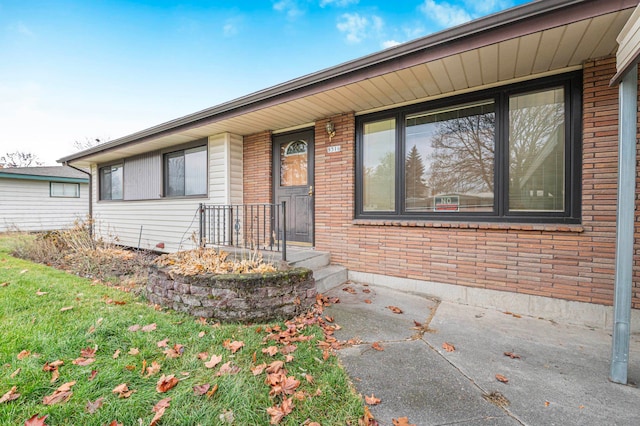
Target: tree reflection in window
point(536, 151)
point(451, 153)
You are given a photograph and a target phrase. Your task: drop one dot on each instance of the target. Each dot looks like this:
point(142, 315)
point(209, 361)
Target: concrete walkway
point(558, 375)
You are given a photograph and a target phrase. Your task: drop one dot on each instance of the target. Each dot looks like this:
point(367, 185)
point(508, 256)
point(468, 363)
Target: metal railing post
point(202, 235)
point(284, 231)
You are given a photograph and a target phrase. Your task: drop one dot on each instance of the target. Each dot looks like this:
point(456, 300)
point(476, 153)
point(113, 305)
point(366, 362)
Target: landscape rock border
point(246, 298)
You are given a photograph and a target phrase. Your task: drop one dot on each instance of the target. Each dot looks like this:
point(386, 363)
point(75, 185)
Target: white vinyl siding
point(173, 222)
point(27, 205)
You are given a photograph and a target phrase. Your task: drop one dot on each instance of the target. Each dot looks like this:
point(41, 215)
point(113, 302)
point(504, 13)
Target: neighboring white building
point(42, 198)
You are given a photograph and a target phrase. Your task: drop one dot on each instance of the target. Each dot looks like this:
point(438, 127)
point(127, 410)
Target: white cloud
point(358, 27)
point(338, 3)
point(232, 26)
point(22, 29)
point(445, 14)
point(390, 43)
point(290, 7)
point(486, 7)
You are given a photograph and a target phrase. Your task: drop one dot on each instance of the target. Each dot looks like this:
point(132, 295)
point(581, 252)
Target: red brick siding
point(257, 180)
point(567, 262)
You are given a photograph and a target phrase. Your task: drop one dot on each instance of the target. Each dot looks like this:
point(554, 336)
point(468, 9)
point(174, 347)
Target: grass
point(101, 315)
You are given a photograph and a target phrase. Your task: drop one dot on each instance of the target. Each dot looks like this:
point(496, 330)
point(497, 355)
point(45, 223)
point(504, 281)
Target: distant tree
point(415, 185)
point(89, 143)
point(19, 159)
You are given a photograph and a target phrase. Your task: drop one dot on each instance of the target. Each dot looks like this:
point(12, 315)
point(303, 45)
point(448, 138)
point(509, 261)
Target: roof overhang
point(533, 40)
point(629, 50)
point(43, 178)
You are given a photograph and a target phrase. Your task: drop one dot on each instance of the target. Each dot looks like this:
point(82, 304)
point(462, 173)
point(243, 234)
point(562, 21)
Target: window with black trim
point(111, 183)
point(506, 154)
point(64, 190)
point(185, 172)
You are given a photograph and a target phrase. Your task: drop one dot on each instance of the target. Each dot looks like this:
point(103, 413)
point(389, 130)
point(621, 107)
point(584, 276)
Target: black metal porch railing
point(250, 226)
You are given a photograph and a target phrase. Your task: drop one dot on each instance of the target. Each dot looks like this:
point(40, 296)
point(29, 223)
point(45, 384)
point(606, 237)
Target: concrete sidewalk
point(558, 376)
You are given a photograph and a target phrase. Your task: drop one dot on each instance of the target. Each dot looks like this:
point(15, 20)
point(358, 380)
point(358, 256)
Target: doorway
point(293, 163)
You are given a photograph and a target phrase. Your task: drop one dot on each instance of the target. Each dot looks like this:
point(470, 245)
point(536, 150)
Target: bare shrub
point(75, 250)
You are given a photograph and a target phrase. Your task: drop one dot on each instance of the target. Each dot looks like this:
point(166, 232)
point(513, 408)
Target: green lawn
point(35, 330)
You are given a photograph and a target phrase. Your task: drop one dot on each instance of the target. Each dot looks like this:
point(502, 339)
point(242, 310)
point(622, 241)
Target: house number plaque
point(335, 148)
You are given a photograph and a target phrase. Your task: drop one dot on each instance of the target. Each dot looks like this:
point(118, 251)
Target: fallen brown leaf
point(512, 355)
point(62, 394)
point(228, 368)
point(123, 391)
point(15, 373)
point(89, 352)
point(367, 301)
point(153, 369)
point(36, 421)
point(233, 346)
point(163, 343)
point(134, 351)
point(134, 327)
point(377, 346)
point(83, 361)
point(92, 407)
point(215, 360)
point(212, 391)
point(159, 409)
point(501, 378)
point(92, 375)
point(149, 327)
point(23, 354)
point(201, 389)
point(402, 421)
point(395, 309)
point(448, 347)
point(10, 395)
point(278, 412)
point(349, 290)
point(371, 400)
point(66, 308)
point(271, 350)
point(258, 369)
point(116, 354)
point(166, 383)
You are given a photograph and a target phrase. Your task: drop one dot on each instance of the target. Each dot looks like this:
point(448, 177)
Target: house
point(478, 164)
point(42, 198)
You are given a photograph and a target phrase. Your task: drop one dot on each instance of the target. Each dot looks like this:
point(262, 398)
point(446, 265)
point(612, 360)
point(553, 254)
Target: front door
point(293, 182)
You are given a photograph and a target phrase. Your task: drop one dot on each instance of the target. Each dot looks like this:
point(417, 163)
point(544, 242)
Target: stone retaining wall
point(234, 297)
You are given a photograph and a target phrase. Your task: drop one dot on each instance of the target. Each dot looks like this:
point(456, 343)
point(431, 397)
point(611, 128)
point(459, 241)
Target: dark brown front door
point(293, 182)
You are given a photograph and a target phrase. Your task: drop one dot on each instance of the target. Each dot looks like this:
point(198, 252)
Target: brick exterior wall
point(257, 164)
point(571, 262)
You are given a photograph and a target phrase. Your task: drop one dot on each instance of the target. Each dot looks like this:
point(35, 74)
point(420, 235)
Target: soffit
point(531, 55)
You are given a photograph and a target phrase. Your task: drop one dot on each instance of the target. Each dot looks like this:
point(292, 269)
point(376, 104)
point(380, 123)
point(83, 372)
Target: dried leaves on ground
point(208, 260)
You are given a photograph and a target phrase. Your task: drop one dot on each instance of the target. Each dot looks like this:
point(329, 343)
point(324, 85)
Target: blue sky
point(72, 70)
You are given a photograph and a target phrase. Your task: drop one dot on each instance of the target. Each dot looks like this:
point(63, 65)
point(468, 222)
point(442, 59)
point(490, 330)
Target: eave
point(530, 41)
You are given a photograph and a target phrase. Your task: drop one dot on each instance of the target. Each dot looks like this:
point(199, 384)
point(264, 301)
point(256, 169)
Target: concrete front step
point(329, 277)
point(326, 275)
point(309, 258)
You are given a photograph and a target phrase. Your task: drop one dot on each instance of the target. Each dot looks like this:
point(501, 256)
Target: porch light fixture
point(331, 130)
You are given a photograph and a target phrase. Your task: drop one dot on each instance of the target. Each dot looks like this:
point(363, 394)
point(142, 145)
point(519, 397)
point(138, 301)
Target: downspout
point(627, 134)
point(88, 173)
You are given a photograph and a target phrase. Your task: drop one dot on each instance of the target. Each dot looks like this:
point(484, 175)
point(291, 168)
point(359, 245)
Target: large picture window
point(509, 154)
point(186, 172)
point(111, 182)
